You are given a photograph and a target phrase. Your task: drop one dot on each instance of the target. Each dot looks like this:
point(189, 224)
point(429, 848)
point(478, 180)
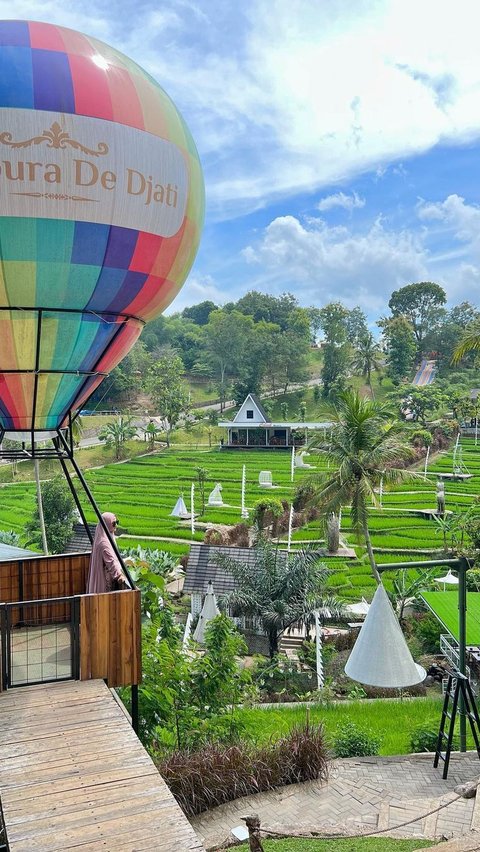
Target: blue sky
point(340, 139)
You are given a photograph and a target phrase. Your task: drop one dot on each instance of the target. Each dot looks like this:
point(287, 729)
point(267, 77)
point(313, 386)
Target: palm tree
point(367, 358)
point(117, 432)
point(469, 341)
point(362, 448)
point(280, 590)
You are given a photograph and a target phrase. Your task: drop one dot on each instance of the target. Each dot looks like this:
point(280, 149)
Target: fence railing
point(51, 630)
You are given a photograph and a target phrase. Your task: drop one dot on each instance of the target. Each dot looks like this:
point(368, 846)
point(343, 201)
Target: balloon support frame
point(63, 451)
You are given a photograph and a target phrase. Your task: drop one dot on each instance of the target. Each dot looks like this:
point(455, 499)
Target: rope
point(366, 833)
point(313, 834)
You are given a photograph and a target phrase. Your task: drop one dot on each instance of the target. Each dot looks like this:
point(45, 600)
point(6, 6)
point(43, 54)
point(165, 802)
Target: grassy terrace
point(144, 490)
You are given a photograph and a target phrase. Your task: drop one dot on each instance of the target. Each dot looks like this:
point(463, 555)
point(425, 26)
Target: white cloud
point(194, 291)
point(284, 97)
point(323, 264)
point(462, 218)
point(339, 199)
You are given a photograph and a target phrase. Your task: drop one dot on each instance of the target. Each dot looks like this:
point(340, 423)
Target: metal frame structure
point(63, 449)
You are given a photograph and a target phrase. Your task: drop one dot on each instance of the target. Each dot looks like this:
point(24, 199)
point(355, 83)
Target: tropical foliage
point(280, 591)
point(362, 448)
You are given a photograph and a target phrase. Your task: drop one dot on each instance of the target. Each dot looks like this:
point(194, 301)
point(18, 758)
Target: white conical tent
point(209, 611)
point(180, 510)
point(380, 656)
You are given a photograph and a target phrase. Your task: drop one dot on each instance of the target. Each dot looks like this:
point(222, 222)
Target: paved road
point(361, 795)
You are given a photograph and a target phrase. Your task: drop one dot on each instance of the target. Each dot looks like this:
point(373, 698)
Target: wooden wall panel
point(41, 577)
point(110, 637)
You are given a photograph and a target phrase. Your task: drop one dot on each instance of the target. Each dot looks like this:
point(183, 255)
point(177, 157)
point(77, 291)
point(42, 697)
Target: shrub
point(214, 774)
point(427, 629)
point(238, 535)
point(352, 741)
point(424, 738)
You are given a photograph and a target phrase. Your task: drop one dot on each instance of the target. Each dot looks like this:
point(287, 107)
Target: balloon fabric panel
point(86, 284)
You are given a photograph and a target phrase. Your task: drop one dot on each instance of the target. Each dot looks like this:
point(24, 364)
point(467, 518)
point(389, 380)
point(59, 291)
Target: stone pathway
point(364, 794)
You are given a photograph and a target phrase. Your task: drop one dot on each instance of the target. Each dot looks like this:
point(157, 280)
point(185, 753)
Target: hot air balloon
point(101, 209)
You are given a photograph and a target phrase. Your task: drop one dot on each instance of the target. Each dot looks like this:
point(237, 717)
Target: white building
point(252, 428)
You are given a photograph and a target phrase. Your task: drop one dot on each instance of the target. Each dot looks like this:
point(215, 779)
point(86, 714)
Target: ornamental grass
point(216, 774)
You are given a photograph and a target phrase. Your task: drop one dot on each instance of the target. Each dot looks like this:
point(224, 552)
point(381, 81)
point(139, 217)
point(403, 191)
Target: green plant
point(356, 692)
point(427, 629)
point(266, 511)
point(364, 445)
point(425, 737)
point(9, 537)
point(117, 433)
point(352, 741)
point(280, 591)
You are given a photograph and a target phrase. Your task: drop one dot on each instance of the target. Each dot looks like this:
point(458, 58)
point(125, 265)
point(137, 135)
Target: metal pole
point(426, 463)
point(134, 690)
point(292, 465)
point(318, 645)
point(244, 512)
point(476, 427)
point(192, 508)
point(462, 642)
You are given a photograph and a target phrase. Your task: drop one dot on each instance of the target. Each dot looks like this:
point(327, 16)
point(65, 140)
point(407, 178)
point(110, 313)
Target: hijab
point(105, 566)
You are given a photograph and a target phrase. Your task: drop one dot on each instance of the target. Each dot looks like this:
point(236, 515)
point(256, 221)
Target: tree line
point(261, 344)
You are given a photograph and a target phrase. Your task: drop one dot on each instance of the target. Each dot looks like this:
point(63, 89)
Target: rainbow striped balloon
point(101, 209)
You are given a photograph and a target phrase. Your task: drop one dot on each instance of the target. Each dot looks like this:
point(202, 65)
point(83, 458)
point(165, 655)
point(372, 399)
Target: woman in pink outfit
point(105, 573)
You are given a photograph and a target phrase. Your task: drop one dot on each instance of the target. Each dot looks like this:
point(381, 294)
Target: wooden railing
point(108, 626)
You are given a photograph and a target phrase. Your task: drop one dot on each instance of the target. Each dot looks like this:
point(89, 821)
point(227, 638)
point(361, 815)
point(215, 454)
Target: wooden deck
point(73, 775)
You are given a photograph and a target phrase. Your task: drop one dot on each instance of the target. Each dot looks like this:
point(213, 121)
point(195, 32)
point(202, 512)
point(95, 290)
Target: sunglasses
point(115, 523)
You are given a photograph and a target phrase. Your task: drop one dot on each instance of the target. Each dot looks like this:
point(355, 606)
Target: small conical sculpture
point(380, 656)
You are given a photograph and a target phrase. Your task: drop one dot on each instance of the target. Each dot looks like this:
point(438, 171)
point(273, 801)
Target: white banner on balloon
point(63, 166)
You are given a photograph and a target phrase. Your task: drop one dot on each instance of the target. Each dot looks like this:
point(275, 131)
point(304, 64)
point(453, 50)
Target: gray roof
point(202, 568)
point(79, 541)
point(259, 406)
point(9, 552)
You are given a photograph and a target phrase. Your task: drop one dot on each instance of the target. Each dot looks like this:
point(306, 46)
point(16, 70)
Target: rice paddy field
point(143, 491)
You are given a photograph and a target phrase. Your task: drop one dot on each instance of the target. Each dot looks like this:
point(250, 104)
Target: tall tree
point(356, 323)
point(400, 346)
point(263, 306)
point(280, 591)
point(422, 304)
point(200, 313)
point(59, 515)
point(336, 348)
point(227, 338)
point(362, 448)
point(366, 358)
point(168, 391)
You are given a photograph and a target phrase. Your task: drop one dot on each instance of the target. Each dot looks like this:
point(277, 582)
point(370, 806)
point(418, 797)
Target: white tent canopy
point(209, 611)
point(360, 608)
point(449, 579)
point(180, 510)
point(380, 656)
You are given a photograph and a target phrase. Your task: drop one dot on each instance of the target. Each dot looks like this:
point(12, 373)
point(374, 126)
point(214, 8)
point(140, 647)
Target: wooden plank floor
point(73, 775)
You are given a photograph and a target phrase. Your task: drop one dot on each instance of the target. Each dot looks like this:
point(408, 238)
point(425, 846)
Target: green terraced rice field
point(143, 491)
point(445, 607)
